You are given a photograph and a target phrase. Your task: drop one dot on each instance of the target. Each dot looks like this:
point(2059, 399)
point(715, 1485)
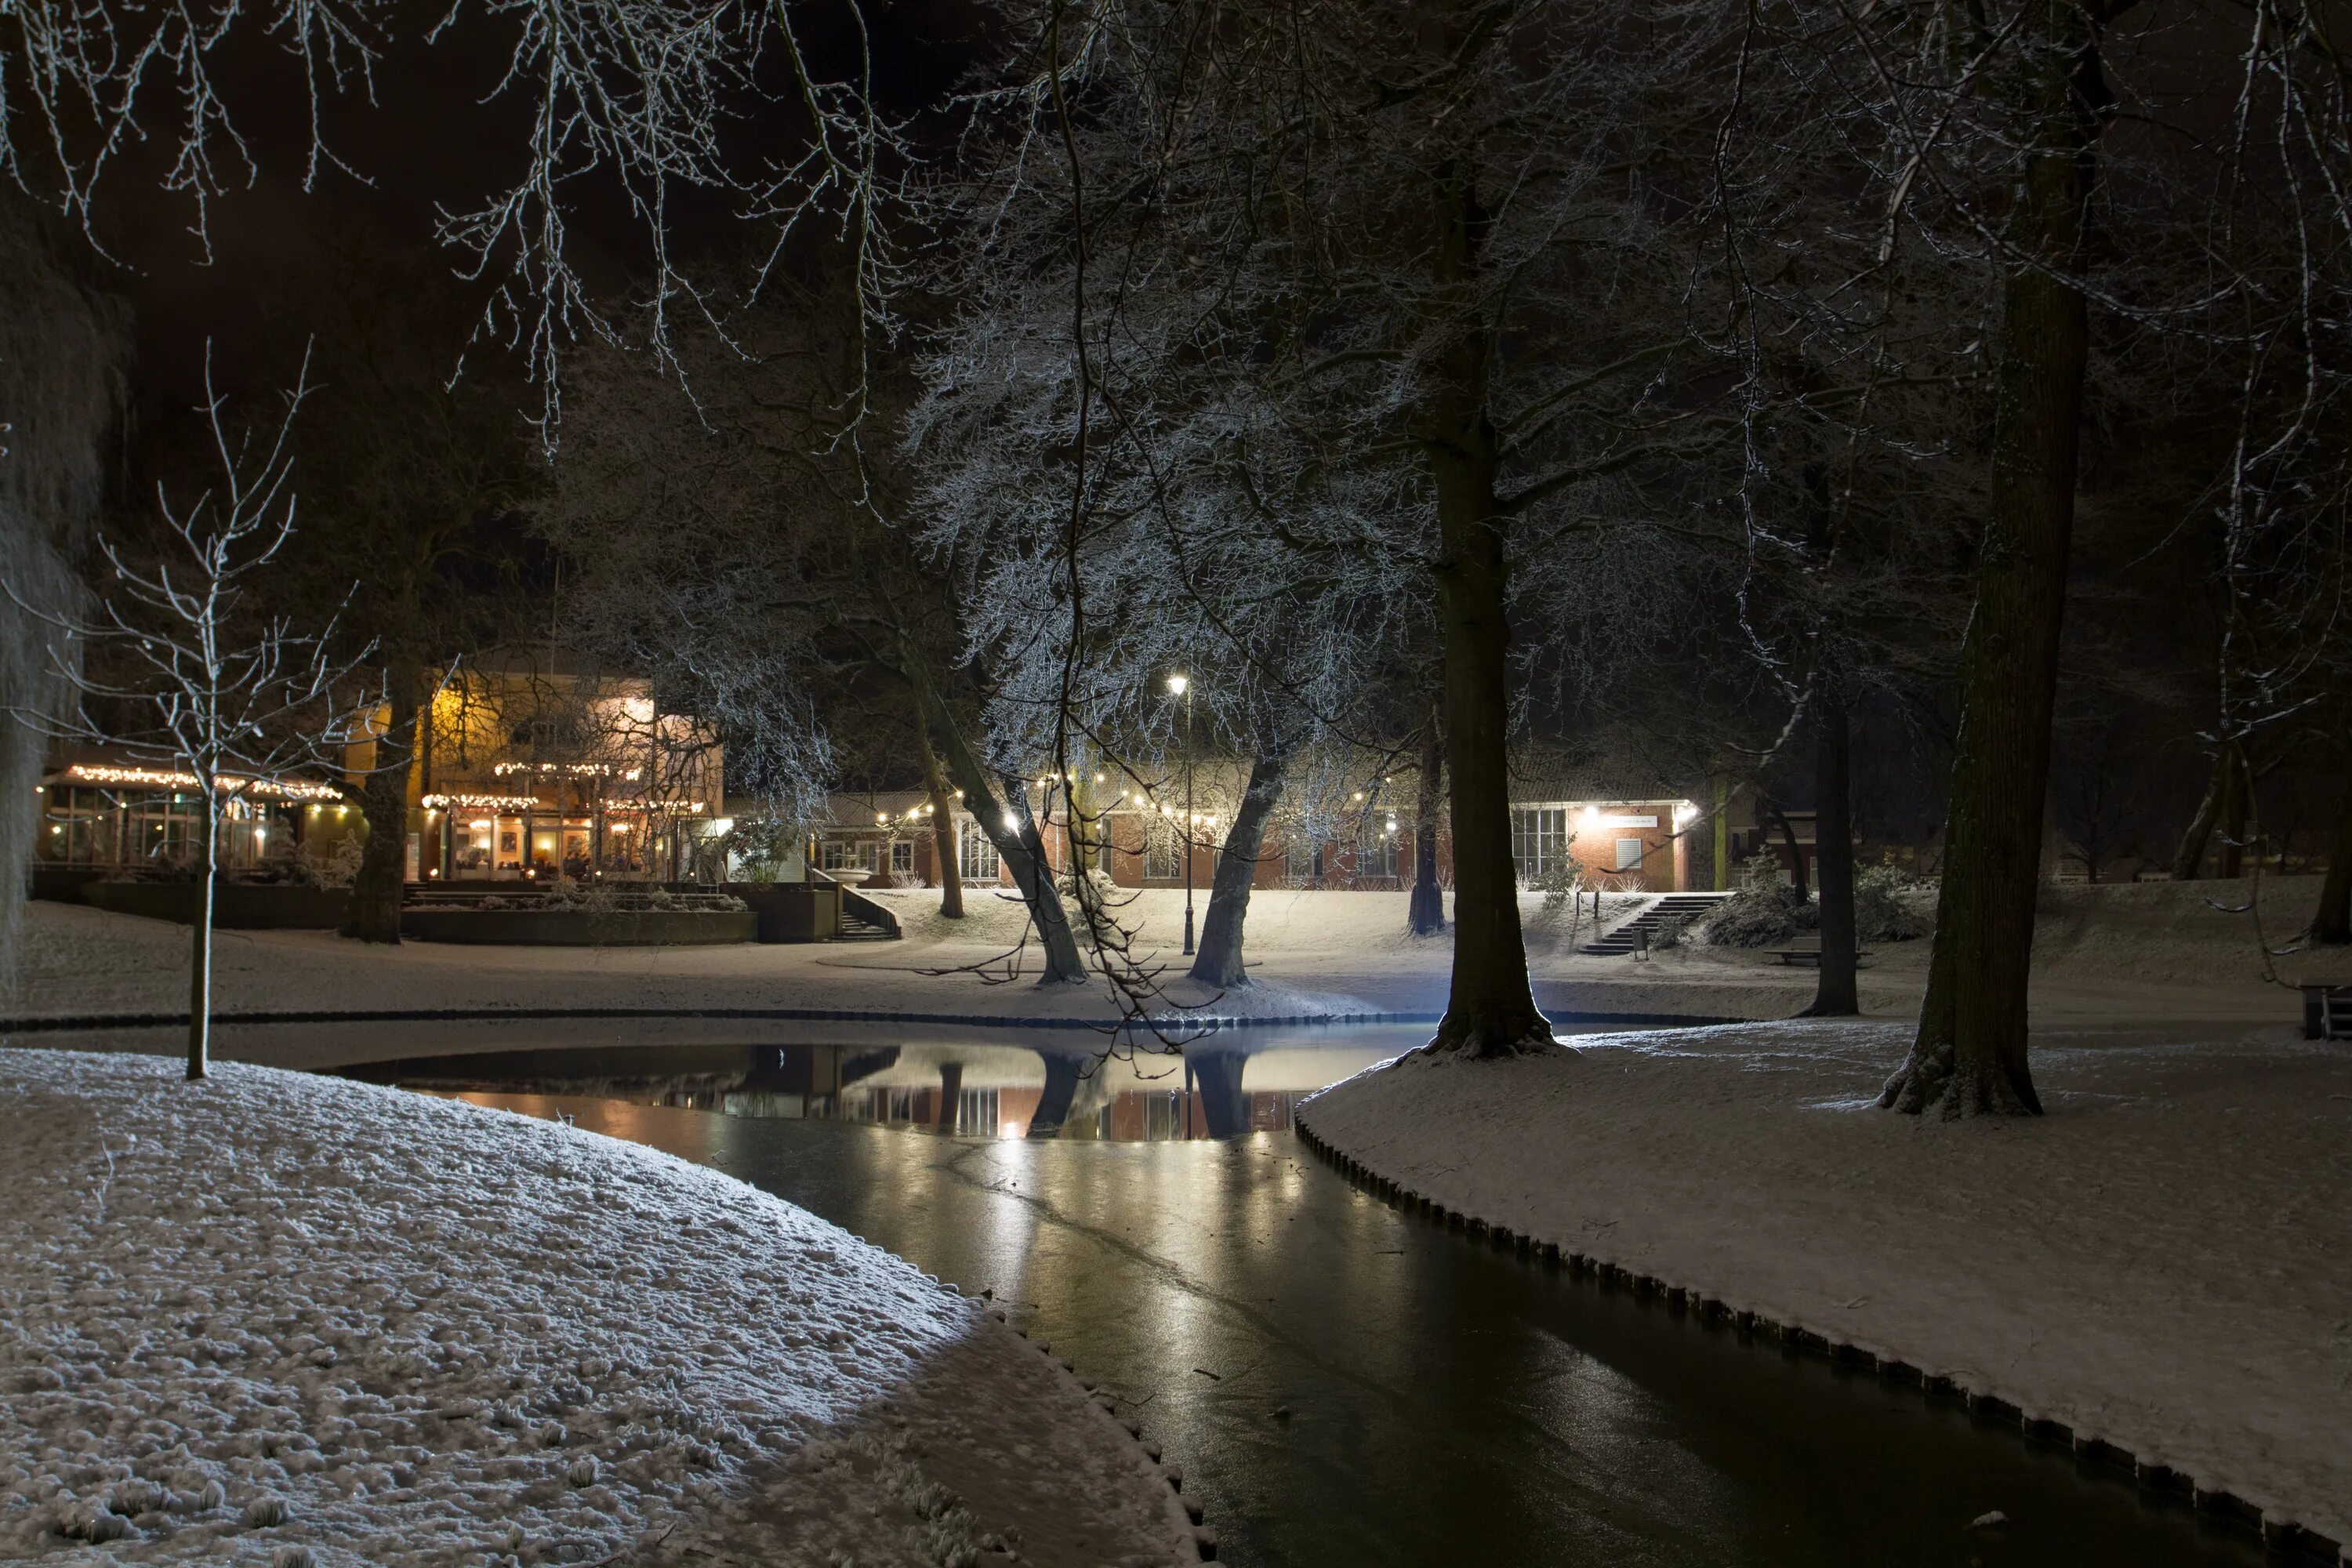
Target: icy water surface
point(1343, 1383)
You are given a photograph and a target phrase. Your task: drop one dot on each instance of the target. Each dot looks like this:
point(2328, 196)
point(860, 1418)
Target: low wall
point(62, 884)
point(795, 911)
point(237, 906)
point(581, 927)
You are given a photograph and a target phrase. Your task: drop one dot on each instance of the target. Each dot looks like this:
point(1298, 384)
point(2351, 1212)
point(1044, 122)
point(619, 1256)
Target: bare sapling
point(179, 668)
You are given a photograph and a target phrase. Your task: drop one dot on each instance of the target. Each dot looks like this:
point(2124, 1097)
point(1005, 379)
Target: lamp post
point(1181, 687)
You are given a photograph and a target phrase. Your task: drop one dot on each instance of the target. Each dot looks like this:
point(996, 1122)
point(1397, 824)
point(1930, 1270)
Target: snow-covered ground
point(277, 1319)
point(2163, 1262)
point(2155, 951)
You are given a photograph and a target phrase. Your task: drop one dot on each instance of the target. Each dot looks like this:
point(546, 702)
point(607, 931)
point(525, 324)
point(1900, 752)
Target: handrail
point(866, 910)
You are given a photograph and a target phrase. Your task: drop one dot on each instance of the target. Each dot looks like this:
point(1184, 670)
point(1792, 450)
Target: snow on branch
point(644, 98)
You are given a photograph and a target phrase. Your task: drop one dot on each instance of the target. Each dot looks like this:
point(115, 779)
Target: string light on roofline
point(227, 784)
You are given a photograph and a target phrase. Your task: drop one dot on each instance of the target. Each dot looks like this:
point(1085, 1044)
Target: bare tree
point(193, 678)
point(639, 95)
point(1343, 261)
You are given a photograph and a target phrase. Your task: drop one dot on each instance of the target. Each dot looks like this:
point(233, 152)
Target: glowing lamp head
point(1177, 685)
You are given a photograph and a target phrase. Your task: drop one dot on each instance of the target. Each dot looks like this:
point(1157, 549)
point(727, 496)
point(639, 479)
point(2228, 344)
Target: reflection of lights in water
point(1001, 1091)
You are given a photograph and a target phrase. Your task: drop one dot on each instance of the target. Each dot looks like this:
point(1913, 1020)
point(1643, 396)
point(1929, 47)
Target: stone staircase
point(1622, 940)
point(863, 919)
point(855, 926)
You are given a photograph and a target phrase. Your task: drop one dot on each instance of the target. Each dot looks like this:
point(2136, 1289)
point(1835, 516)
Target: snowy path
point(2164, 1262)
point(329, 1322)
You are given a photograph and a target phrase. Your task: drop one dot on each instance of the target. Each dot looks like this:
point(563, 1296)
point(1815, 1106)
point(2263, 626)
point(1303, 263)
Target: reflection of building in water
point(1218, 1087)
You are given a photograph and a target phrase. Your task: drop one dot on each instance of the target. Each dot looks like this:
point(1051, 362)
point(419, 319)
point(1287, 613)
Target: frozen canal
point(1342, 1383)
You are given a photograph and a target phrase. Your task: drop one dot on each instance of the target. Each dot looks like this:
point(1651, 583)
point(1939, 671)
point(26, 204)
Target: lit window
point(976, 856)
point(1539, 840)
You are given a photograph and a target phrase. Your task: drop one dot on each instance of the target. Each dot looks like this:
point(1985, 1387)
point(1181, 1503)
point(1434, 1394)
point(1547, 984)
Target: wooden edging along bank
point(1204, 1540)
point(2284, 1536)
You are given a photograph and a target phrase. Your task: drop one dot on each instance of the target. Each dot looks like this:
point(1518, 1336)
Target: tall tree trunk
point(1491, 1008)
point(2332, 922)
point(1969, 1056)
point(944, 849)
point(1425, 913)
point(376, 889)
point(1022, 850)
point(1218, 960)
point(200, 933)
point(2231, 863)
point(1834, 996)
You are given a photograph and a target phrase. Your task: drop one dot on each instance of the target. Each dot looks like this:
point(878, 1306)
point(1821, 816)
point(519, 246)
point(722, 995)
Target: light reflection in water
point(1221, 1088)
point(1444, 1404)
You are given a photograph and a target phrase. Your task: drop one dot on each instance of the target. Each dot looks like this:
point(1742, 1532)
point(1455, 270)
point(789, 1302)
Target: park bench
point(1806, 955)
point(2327, 1012)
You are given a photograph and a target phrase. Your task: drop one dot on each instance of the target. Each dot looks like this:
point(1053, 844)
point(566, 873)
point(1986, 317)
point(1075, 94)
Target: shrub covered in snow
point(1765, 911)
point(1887, 906)
point(1105, 890)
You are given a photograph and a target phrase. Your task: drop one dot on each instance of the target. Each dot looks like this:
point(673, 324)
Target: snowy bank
point(2158, 1264)
point(295, 1320)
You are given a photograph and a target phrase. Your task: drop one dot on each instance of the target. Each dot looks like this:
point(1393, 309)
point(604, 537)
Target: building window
point(1539, 840)
point(1375, 855)
point(1299, 861)
point(976, 856)
point(849, 855)
point(902, 856)
point(1629, 854)
point(1163, 857)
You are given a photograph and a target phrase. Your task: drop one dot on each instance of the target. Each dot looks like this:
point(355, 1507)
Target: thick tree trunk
point(1491, 1010)
point(1425, 913)
point(374, 913)
point(199, 937)
point(2332, 922)
point(1834, 996)
point(1022, 850)
point(1969, 1056)
point(1218, 960)
point(944, 849)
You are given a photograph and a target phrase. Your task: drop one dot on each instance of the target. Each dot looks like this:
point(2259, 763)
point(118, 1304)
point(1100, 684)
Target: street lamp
point(1179, 686)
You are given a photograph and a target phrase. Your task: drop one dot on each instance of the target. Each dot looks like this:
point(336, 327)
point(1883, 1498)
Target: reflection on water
point(1234, 1086)
point(1347, 1383)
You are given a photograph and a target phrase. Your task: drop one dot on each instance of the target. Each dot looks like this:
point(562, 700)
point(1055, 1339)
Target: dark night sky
point(425, 141)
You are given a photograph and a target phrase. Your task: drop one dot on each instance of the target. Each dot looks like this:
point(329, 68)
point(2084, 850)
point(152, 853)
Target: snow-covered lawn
point(278, 1319)
point(2156, 950)
point(2164, 1261)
